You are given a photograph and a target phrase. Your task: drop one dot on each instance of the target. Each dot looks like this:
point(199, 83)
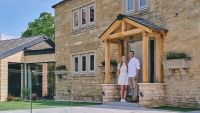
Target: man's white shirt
point(133, 64)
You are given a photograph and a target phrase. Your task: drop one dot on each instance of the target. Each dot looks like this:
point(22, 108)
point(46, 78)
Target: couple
point(128, 75)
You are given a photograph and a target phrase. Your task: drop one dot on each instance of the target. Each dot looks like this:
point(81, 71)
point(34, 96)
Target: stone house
point(17, 57)
point(89, 32)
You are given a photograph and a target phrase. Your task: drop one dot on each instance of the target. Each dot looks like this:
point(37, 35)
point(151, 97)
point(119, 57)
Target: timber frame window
point(142, 4)
point(92, 62)
point(75, 19)
point(91, 13)
point(129, 5)
point(83, 16)
point(75, 64)
point(84, 63)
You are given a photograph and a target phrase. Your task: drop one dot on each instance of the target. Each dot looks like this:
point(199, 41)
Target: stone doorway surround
point(118, 33)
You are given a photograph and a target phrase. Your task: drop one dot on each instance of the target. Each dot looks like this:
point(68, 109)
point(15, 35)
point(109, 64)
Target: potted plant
point(176, 60)
point(113, 66)
point(61, 71)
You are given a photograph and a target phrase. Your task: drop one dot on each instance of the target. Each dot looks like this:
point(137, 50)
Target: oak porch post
point(145, 48)
point(107, 62)
point(159, 50)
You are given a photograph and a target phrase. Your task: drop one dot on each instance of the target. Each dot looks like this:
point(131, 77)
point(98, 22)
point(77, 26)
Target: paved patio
point(105, 108)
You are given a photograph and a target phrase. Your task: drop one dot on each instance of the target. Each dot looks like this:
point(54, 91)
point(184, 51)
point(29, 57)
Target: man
point(133, 71)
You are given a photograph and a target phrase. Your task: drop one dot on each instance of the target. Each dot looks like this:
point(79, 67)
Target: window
point(92, 62)
point(130, 6)
point(91, 13)
point(86, 65)
point(75, 19)
point(83, 63)
point(83, 16)
point(142, 4)
point(76, 64)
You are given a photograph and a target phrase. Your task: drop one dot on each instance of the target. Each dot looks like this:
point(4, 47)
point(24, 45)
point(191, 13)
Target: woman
point(123, 77)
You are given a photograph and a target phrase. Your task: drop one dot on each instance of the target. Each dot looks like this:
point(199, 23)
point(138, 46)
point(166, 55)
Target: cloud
point(7, 37)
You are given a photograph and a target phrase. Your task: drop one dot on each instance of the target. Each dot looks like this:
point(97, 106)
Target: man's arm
point(137, 74)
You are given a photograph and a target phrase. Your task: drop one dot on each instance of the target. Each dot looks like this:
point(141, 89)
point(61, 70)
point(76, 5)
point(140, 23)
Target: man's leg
point(131, 86)
point(135, 89)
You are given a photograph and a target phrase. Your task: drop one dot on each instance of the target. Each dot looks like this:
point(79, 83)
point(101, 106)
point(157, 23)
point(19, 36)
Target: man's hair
point(131, 52)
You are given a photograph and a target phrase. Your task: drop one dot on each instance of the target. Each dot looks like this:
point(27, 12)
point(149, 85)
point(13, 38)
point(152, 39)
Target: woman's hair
point(122, 61)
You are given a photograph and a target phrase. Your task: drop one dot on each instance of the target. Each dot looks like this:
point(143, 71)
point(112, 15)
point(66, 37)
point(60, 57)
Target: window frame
point(142, 7)
point(91, 5)
point(73, 19)
point(126, 7)
point(89, 59)
point(86, 16)
point(74, 64)
point(86, 64)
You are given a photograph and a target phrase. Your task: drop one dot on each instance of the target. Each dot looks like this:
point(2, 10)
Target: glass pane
point(84, 16)
point(92, 14)
point(91, 62)
point(76, 64)
point(84, 63)
point(143, 3)
point(130, 5)
point(75, 19)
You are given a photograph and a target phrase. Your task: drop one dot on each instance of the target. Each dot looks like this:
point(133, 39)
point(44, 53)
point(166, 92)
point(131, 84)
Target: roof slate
point(9, 47)
point(141, 21)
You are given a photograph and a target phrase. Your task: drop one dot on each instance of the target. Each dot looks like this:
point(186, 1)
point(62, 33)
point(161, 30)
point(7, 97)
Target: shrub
point(61, 67)
point(26, 93)
point(10, 98)
point(112, 62)
point(17, 99)
point(176, 55)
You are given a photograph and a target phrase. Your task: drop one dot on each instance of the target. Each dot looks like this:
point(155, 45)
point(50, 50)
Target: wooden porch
point(121, 30)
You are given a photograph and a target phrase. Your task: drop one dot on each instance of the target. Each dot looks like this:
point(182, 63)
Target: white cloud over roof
point(7, 37)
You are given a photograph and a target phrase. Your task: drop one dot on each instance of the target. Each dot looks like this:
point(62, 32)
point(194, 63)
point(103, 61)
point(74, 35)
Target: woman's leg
point(125, 91)
point(121, 91)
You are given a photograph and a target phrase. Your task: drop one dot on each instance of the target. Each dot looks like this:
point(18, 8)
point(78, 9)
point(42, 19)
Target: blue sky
point(16, 14)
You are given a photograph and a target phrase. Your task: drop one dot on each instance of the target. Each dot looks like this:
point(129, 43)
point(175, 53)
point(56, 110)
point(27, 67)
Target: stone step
point(127, 104)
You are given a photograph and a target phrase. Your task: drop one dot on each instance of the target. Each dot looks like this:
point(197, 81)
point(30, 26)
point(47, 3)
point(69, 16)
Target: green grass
point(19, 105)
point(171, 108)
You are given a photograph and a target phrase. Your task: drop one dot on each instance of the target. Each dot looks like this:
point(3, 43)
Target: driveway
point(105, 108)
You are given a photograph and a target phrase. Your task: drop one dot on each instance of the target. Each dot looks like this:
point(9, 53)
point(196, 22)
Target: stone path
point(106, 108)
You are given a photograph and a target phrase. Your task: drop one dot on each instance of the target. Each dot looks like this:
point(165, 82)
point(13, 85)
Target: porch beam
point(107, 62)
point(138, 25)
point(159, 53)
point(145, 51)
point(120, 49)
point(124, 34)
point(115, 25)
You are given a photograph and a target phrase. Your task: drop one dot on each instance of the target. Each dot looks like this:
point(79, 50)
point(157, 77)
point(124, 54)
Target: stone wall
point(69, 41)
point(152, 94)
point(181, 18)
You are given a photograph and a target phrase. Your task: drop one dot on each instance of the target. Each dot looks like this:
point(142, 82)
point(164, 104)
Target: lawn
point(19, 105)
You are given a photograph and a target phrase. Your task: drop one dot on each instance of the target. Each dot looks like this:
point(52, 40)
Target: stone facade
point(152, 94)
point(180, 17)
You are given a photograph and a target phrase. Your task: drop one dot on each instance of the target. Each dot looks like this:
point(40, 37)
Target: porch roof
point(10, 47)
point(135, 20)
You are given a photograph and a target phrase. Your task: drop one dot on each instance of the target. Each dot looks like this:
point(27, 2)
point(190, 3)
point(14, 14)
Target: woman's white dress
point(123, 76)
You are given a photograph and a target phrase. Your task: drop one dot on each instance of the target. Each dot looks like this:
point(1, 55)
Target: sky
point(16, 14)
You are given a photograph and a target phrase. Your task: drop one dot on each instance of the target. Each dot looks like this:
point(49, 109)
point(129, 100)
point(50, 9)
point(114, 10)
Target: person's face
point(131, 55)
point(123, 59)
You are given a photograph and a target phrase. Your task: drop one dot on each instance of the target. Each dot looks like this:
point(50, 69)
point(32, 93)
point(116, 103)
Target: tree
point(44, 25)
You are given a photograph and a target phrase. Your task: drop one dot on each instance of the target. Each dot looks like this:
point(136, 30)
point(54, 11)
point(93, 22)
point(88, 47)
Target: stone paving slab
point(105, 108)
